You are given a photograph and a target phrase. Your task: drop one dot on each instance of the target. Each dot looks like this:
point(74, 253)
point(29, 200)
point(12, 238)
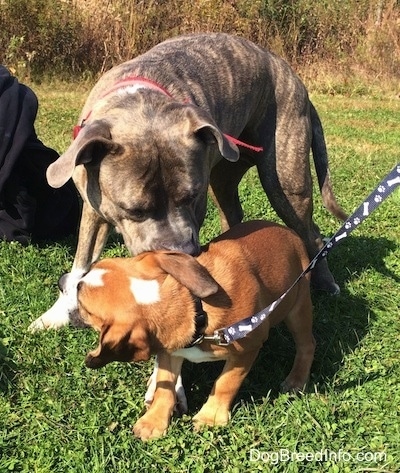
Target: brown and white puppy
point(157, 131)
point(145, 305)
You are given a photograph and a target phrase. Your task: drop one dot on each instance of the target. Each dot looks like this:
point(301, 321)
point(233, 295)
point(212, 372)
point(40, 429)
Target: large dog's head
point(142, 161)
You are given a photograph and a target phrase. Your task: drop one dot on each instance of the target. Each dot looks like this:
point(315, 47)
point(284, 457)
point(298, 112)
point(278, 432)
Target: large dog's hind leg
point(93, 233)
point(286, 178)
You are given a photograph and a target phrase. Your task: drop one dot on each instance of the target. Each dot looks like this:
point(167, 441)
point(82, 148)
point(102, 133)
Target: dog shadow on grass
point(340, 324)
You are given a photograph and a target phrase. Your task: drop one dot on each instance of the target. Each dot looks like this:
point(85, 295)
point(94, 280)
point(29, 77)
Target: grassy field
point(58, 416)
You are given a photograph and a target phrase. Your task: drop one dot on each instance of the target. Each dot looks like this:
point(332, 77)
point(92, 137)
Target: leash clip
point(218, 337)
point(195, 342)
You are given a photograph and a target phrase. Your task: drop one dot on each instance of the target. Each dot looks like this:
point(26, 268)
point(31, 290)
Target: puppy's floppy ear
point(92, 138)
point(189, 272)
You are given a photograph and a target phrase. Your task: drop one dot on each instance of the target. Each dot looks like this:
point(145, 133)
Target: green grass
point(58, 416)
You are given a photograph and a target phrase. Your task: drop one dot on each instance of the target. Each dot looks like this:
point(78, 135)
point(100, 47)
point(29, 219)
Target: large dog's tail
point(320, 156)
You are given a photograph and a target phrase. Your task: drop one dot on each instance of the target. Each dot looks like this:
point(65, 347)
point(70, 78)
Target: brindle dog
point(157, 131)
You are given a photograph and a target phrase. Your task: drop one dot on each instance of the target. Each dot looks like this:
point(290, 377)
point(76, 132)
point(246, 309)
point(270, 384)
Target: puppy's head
point(123, 299)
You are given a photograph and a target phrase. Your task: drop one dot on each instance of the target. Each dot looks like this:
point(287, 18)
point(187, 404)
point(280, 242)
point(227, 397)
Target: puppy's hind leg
point(299, 323)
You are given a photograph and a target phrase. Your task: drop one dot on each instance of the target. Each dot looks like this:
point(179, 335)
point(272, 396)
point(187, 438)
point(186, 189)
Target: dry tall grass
point(356, 38)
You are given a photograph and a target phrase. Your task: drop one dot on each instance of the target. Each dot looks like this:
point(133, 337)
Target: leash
point(137, 82)
point(239, 330)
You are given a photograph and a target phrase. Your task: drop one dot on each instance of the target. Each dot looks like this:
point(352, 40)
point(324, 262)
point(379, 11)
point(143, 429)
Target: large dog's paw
point(150, 426)
point(65, 308)
point(292, 387)
point(56, 317)
point(322, 279)
point(330, 287)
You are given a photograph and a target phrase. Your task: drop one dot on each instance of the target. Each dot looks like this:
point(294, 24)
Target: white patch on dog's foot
point(181, 406)
point(56, 317)
point(151, 386)
point(63, 309)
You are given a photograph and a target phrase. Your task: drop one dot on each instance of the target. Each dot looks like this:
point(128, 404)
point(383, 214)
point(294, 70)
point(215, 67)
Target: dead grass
point(337, 47)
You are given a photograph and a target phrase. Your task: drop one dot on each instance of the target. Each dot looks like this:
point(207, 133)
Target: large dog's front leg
point(93, 233)
point(224, 181)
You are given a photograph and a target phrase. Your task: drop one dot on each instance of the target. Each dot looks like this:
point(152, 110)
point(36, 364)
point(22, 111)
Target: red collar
point(143, 82)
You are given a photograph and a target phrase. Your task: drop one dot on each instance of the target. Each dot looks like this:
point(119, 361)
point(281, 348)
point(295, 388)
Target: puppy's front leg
point(216, 411)
point(92, 237)
point(181, 405)
point(155, 421)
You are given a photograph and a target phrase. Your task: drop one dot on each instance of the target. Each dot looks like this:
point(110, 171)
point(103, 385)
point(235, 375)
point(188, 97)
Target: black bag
point(29, 207)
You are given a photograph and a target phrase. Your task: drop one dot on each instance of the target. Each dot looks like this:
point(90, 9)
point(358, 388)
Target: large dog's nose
point(190, 247)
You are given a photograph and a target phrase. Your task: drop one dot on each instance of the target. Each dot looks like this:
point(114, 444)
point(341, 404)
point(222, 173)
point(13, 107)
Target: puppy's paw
point(213, 417)
point(148, 427)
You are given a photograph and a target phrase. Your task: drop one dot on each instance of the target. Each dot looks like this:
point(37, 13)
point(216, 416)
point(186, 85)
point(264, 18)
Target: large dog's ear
point(92, 139)
point(211, 133)
point(205, 127)
point(189, 272)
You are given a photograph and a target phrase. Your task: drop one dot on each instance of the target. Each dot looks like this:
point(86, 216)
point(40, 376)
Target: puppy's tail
point(320, 156)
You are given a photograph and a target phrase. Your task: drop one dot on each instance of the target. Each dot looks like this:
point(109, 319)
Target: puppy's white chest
point(196, 355)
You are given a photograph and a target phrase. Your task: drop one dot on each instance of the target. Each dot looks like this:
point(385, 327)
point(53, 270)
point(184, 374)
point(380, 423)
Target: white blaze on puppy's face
point(95, 277)
point(145, 291)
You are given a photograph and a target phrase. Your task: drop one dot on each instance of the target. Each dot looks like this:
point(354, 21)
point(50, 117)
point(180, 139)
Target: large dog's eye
point(187, 200)
point(138, 214)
